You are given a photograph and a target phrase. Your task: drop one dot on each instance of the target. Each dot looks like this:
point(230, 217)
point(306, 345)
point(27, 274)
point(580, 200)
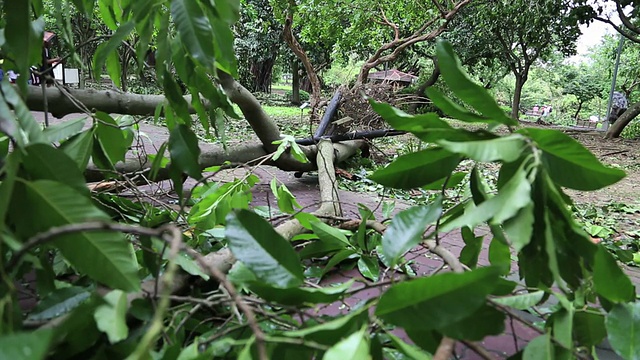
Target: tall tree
point(522, 32)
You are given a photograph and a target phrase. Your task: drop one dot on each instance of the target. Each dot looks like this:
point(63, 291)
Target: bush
point(304, 96)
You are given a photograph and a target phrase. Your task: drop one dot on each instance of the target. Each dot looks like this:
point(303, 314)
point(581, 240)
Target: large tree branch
point(399, 45)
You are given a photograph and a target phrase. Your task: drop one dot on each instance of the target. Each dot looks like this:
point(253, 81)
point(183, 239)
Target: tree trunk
point(517, 94)
point(578, 111)
point(261, 73)
point(295, 82)
point(435, 75)
point(297, 49)
point(616, 128)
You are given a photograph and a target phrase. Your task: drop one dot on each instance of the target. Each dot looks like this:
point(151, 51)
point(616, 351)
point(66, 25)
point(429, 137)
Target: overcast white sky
point(592, 35)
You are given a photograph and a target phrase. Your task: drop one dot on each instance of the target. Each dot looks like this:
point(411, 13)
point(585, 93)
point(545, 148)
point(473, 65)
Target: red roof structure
point(392, 75)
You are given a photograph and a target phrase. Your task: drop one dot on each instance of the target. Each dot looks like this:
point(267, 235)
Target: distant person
point(13, 77)
point(536, 108)
point(46, 69)
point(546, 111)
point(619, 105)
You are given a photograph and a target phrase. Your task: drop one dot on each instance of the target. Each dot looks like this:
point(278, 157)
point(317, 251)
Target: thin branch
point(482, 352)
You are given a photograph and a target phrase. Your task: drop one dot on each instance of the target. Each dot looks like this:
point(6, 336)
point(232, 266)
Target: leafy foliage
point(105, 292)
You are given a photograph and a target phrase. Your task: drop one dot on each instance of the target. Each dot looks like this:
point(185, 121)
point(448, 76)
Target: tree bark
point(616, 128)
point(109, 101)
point(295, 82)
point(297, 49)
point(261, 73)
point(517, 94)
point(578, 111)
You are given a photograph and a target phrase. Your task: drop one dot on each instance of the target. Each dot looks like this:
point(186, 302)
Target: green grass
point(281, 87)
point(284, 112)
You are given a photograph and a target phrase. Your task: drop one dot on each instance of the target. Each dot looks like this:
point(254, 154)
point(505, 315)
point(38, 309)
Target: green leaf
point(107, 49)
point(32, 130)
point(111, 316)
point(300, 296)
point(452, 182)
point(519, 228)
point(103, 256)
point(452, 109)
point(332, 331)
point(369, 267)
point(354, 347)
point(539, 348)
point(328, 234)
point(411, 351)
point(228, 10)
point(521, 302)
point(569, 164)
point(510, 199)
point(195, 31)
point(623, 327)
point(589, 328)
point(59, 302)
point(464, 88)
point(471, 251)
point(417, 169)
point(286, 200)
point(485, 321)
point(254, 242)
point(20, 39)
point(406, 229)
point(114, 142)
point(609, 280)
point(339, 257)
point(114, 69)
point(506, 148)
point(159, 160)
point(400, 120)
point(25, 346)
point(184, 150)
point(437, 301)
point(79, 148)
point(59, 132)
point(44, 162)
point(500, 255)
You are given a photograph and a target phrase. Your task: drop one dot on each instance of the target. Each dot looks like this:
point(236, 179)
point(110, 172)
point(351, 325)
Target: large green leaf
point(111, 316)
point(623, 328)
point(32, 130)
point(411, 351)
point(332, 331)
point(105, 257)
point(44, 162)
point(300, 296)
point(114, 141)
point(79, 147)
point(609, 280)
point(64, 130)
point(20, 39)
point(539, 348)
point(522, 301)
point(329, 234)
point(451, 108)
point(184, 150)
point(467, 90)
point(472, 247)
point(25, 346)
point(195, 30)
point(485, 321)
point(589, 327)
point(59, 302)
point(506, 148)
point(569, 163)
point(437, 301)
point(354, 347)
point(406, 229)
point(417, 169)
point(254, 242)
point(514, 196)
point(400, 120)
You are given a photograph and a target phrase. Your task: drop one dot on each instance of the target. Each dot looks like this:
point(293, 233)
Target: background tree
point(524, 32)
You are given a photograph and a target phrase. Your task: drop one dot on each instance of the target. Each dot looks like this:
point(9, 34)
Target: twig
point(482, 352)
point(615, 153)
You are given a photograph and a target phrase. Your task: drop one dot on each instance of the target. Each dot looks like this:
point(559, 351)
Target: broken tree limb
point(109, 101)
point(616, 128)
point(214, 155)
point(353, 136)
point(329, 200)
point(329, 114)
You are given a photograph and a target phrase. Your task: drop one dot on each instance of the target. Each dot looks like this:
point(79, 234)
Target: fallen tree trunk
point(355, 135)
point(109, 101)
point(217, 155)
